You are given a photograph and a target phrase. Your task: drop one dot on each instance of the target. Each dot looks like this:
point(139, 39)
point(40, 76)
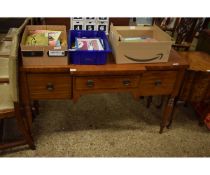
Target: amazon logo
point(157, 57)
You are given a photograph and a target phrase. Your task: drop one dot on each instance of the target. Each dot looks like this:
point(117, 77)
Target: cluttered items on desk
point(139, 44)
point(44, 38)
point(44, 45)
point(89, 44)
point(88, 47)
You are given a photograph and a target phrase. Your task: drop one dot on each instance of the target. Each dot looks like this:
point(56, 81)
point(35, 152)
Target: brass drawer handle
point(50, 87)
point(90, 83)
point(126, 82)
point(158, 82)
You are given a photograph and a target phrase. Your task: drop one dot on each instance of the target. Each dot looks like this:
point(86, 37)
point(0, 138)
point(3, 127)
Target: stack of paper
point(89, 44)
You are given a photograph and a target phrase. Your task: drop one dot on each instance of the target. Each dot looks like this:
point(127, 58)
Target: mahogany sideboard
point(73, 81)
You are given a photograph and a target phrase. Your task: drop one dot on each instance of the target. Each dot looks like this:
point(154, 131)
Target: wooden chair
point(10, 106)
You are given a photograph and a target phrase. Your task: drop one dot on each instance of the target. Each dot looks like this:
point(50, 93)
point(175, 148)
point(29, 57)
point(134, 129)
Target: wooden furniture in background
point(204, 41)
point(67, 21)
point(196, 87)
point(10, 104)
point(73, 81)
point(182, 30)
point(57, 21)
point(119, 21)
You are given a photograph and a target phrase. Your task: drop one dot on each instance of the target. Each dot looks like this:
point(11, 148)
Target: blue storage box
point(87, 56)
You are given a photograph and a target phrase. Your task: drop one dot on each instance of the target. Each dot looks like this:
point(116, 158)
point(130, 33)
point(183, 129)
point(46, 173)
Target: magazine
point(44, 38)
point(89, 44)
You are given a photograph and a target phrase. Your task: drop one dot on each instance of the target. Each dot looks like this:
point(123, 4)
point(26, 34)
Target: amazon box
point(44, 55)
point(139, 44)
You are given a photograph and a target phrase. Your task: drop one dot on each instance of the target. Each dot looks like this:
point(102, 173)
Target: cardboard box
point(154, 51)
point(44, 55)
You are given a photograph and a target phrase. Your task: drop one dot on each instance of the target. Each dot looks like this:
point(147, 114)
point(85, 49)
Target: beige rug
point(112, 125)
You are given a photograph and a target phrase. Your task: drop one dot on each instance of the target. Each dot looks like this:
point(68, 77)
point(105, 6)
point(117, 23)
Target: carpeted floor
point(113, 125)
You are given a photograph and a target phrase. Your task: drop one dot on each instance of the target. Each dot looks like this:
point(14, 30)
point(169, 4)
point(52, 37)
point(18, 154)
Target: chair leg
point(1, 130)
point(25, 131)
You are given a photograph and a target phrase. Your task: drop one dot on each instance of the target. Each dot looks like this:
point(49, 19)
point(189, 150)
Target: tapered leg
point(21, 125)
point(24, 98)
point(167, 113)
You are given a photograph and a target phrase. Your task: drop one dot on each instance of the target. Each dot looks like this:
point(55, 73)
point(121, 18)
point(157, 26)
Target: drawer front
point(49, 86)
point(157, 82)
point(106, 82)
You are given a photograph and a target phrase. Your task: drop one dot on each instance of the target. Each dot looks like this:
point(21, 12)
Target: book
point(88, 44)
point(44, 38)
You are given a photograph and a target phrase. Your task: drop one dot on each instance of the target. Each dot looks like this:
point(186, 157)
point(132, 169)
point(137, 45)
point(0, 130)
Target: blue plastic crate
point(88, 56)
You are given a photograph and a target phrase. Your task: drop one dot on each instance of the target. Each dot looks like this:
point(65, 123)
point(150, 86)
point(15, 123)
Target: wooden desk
point(72, 81)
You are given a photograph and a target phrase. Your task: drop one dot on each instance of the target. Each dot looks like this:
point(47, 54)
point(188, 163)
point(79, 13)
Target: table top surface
point(175, 62)
point(199, 61)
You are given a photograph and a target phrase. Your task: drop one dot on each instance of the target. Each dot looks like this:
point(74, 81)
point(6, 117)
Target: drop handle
point(50, 87)
point(126, 82)
point(158, 82)
point(90, 83)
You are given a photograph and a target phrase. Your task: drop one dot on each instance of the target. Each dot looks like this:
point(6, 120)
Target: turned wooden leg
point(21, 125)
point(167, 113)
point(171, 115)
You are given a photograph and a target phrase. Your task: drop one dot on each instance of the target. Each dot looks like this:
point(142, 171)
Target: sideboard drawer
point(157, 82)
point(106, 82)
point(49, 86)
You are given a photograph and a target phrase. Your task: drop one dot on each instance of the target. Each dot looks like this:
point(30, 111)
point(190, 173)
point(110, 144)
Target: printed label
point(56, 53)
point(72, 49)
point(57, 48)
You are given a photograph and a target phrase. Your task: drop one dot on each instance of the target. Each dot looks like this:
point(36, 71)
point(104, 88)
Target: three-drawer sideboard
point(72, 81)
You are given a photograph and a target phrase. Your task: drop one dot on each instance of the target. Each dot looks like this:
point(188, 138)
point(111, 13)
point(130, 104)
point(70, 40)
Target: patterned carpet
point(112, 125)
